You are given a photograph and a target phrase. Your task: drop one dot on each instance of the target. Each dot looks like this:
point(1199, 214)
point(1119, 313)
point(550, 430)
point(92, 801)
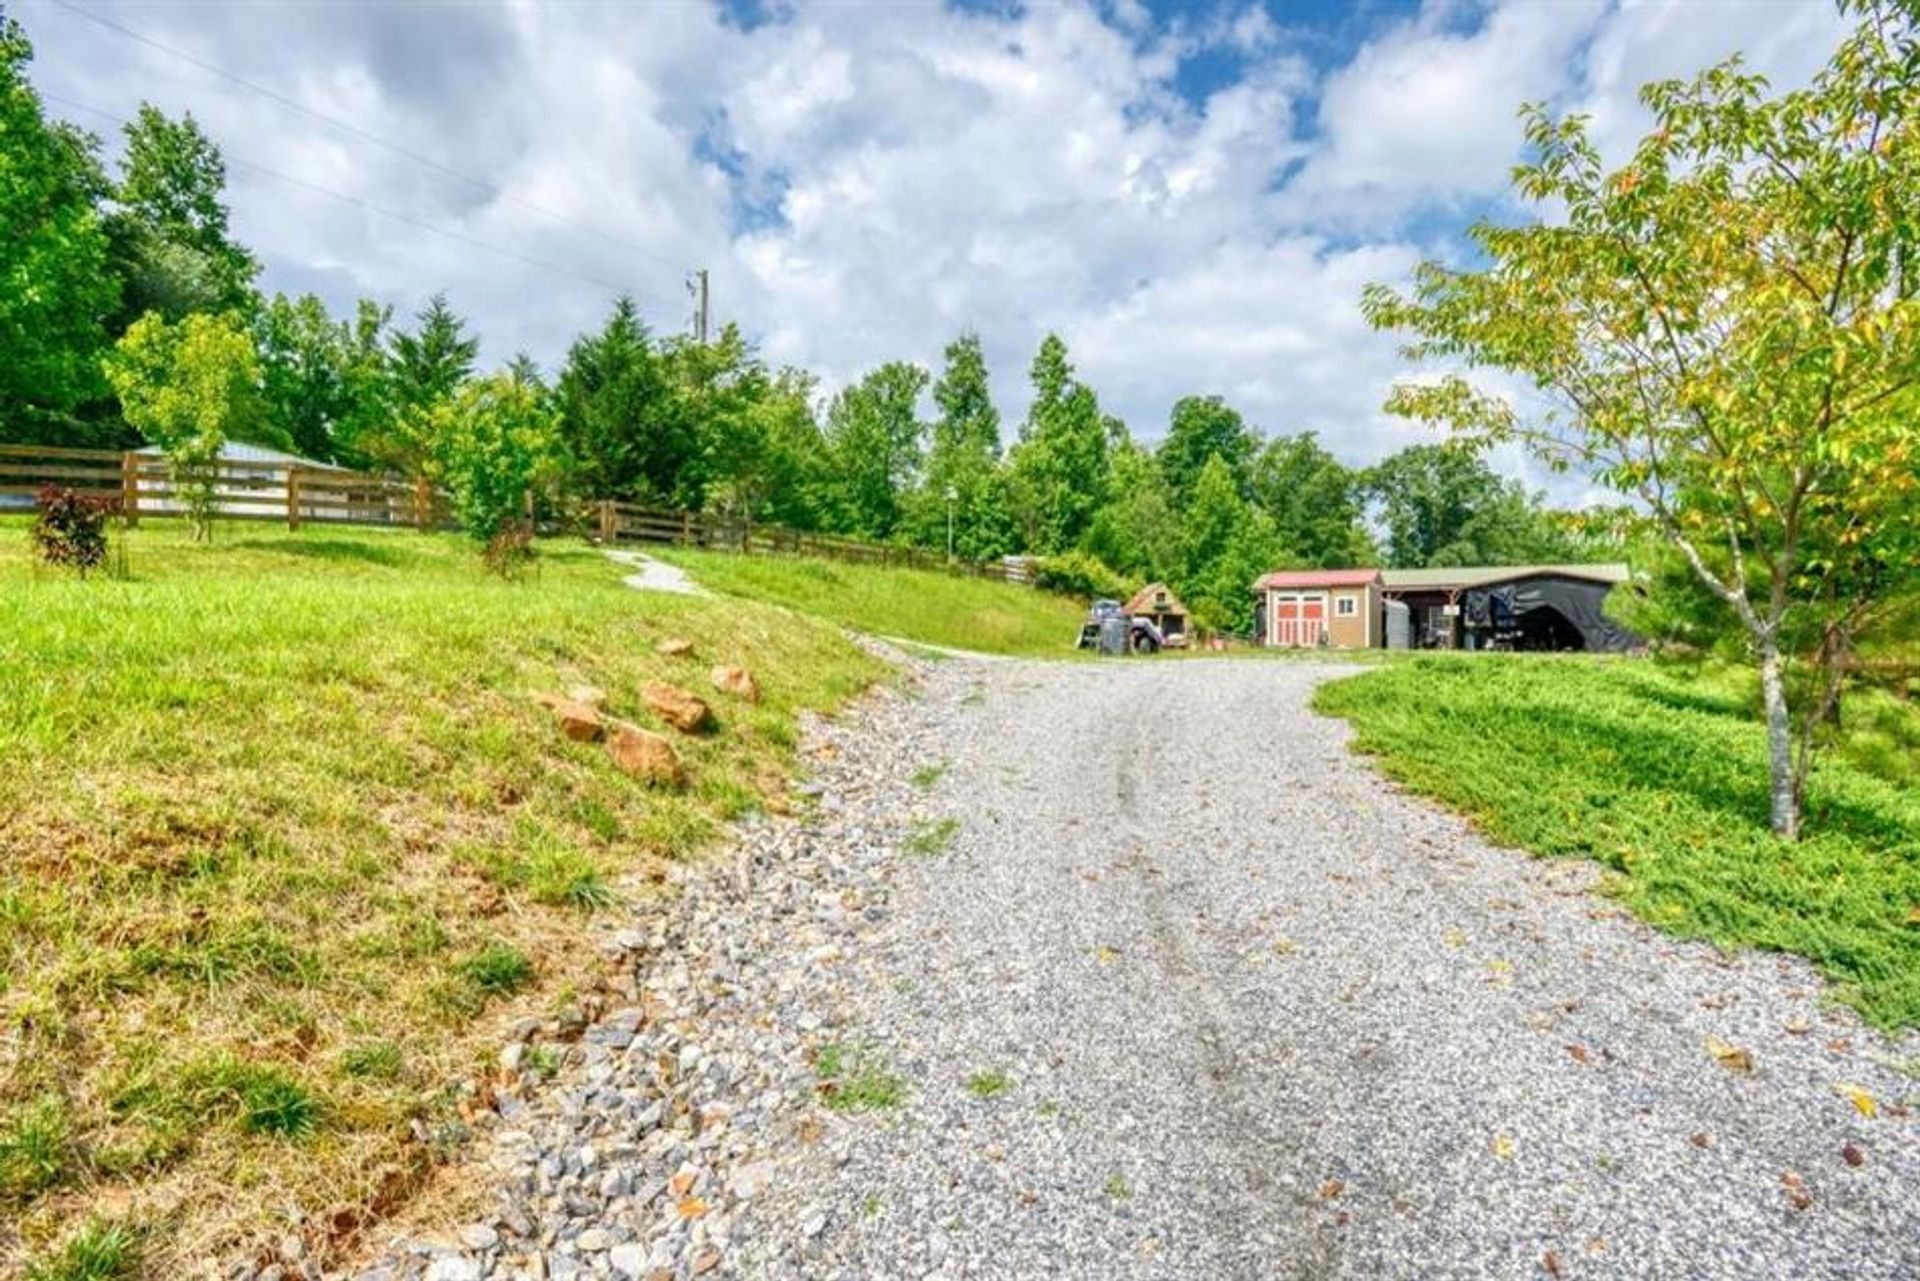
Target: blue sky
point(1192, 196)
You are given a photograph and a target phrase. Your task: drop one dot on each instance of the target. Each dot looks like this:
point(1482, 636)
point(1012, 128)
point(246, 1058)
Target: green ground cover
point(917, 605)
point(1658, 773)
point(284, 841)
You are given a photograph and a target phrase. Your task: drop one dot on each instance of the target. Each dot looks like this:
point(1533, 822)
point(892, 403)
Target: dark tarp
point(1547, 612)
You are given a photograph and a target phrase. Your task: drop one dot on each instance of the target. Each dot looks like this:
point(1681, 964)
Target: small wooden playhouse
point(1157, 604)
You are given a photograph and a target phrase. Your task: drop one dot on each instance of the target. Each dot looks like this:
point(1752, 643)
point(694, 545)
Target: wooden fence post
point(293, 497)
point(609, 522)
point(130, 487)
point(422, 502)
point(746, 537)
point(686, 528)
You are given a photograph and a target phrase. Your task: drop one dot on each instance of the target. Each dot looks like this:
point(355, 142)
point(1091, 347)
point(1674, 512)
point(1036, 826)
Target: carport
point(1527, 607)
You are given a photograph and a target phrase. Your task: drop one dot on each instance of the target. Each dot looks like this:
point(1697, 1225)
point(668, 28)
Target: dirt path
point(1258, 1015)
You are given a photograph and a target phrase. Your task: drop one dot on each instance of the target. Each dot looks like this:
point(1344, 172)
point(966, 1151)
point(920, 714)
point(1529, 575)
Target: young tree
point(1137, 531)
point(1727, 328)
point(873, 438)
point(1317, 504)
point(171, 244)
point(963, 460)
point(1226, 544)
point(189, 387)
point(1205, 427)
point(53, 255)
point(494, 444)
point(1060, 464)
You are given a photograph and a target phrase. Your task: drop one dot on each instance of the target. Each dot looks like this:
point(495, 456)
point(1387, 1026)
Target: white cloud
point(907, 171)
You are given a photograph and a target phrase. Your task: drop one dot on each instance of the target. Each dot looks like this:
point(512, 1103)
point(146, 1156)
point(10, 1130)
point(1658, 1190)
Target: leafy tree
point(426, 367)
point(171, 245)
point(1205, 427)
point(873, 437)
point(1316, 503)
point(1137, 531)
point(324, 381)
point(1226, 544)
point(1728, 331)
point(621, 427)
point(494, 442)
point(55, 289)
point(1442, 505)
point(759, 448)
point(963, 458)
point(189, 387)
point(1060, 464)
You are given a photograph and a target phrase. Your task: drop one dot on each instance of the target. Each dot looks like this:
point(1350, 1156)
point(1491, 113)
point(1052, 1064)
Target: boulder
point(645, 755)
point(676, 706)
point(737, 681)
point(588, 694)
point(674, 647)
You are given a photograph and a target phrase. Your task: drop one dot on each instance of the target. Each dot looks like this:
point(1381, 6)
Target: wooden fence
point(143, 485)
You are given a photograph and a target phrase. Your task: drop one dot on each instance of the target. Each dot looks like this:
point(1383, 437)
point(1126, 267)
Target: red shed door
point(1298, 620)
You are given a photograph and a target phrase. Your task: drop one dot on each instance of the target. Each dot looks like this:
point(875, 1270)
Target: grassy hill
point(920, 605)
point(1658, 772)
point(284, 841)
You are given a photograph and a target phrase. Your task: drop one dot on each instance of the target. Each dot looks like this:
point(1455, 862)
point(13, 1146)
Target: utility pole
point(697, 286)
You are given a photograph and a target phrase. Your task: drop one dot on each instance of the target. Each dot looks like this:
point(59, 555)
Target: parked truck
point(1108, 630)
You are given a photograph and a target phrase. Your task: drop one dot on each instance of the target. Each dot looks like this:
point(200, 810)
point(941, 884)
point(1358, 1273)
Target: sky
point(1192, 196)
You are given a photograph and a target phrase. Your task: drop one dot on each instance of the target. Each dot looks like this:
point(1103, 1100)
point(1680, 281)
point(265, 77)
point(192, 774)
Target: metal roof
point(1285, 578)
point(1444, 579)
point(238, 451)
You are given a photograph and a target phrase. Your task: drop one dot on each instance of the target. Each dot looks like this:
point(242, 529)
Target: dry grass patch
point(283, 840)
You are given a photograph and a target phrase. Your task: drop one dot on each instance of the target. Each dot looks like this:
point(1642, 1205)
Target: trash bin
point(1113, 635)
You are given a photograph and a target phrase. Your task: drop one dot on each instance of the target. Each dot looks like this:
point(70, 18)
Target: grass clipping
point(284, 841)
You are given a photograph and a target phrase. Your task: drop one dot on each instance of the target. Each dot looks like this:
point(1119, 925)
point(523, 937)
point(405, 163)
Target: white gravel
point(652, 575)
point(1258, 1015)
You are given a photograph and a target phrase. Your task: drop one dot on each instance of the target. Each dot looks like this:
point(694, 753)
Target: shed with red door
point(1308, 608)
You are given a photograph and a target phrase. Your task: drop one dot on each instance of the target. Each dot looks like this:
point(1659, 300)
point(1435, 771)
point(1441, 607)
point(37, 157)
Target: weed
point(1046, 1108)
point(989, 1085)
point(99, 1251)
point(373, 1061)
point(1118, 1188)
point(262, 1098)
point(544, 1060)
point(931, 837)
point(34, 1142)
point(927, 775)
point(855, 1077)
point(496, 970)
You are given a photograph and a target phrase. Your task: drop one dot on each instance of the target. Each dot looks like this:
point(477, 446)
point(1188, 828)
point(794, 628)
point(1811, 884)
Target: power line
point(294, 104)
point(408, 219)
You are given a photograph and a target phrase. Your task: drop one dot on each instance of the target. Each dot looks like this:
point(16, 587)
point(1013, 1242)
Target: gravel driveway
point(1191, 992)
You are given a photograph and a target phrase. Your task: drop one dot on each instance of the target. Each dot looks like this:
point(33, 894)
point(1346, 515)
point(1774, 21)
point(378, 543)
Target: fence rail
point(144, 485)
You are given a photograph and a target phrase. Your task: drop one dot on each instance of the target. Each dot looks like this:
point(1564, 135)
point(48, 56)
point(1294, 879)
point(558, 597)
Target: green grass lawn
point(1659, 774)
point(917, 605)
point(284, 841)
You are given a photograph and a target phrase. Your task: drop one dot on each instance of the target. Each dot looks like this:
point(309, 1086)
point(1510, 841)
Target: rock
point(479, 1236)
point(578, 721)
point(750, 1180)
point(674, 647)
point(511, 1056)
point(628, 1261)
point(737, 681)
point(645, 756)
point(452, 1267)
point(593, 1240)
point(592, 696)
point(685, 712)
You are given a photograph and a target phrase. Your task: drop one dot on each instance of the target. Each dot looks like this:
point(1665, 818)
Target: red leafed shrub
point(71, 528)
point(510, 551)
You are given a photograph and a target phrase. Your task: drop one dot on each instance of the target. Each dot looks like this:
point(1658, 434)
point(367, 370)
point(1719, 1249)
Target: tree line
point(137, 317)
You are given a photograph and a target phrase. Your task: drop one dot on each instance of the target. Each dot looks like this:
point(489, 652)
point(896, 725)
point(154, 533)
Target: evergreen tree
point(427, 366)
point(53, 261)
point(618, 421)
point(1226, 544)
